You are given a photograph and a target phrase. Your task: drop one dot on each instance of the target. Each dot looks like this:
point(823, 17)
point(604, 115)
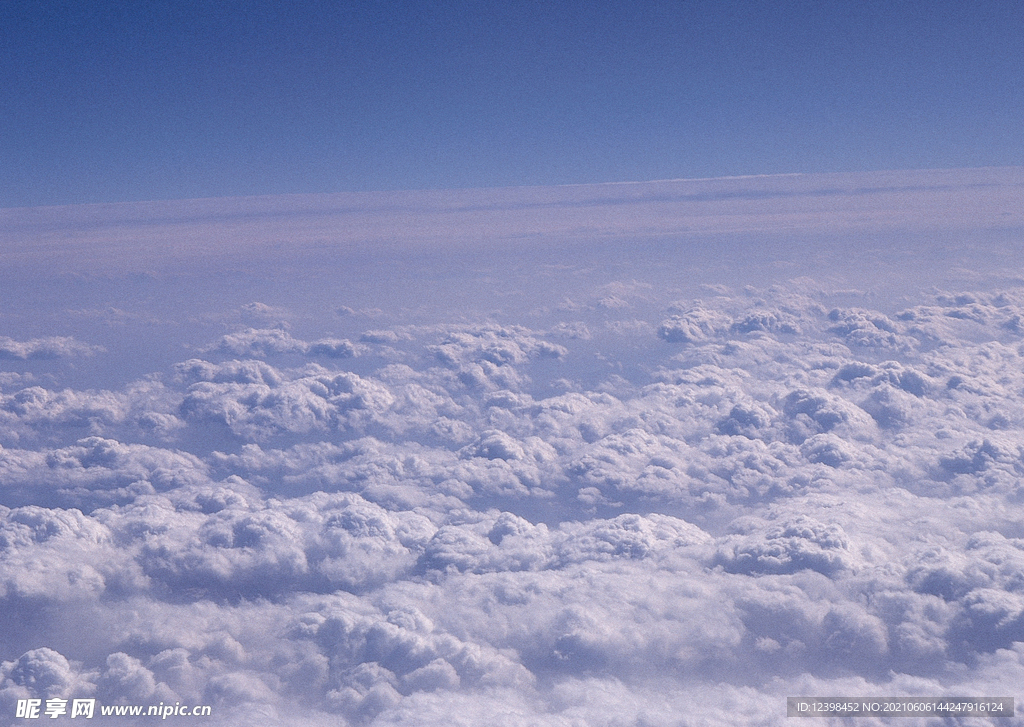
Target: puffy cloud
point(145, 408)
point(692, 326)
point(384, 336)
point(125, 678)
point(495, 345)
point(36, 407)
point(867, 329)
point(766, 320)
point(770, 495)
point(94, 471)
point(263, 342)
point(509, 543)
point(40, 673)
point(263, 314)
point(331, 348)
point(45, 348)
point(788, 547)
point(227, 542)
point(811, 412)
point(255, 401)
point(57, 555)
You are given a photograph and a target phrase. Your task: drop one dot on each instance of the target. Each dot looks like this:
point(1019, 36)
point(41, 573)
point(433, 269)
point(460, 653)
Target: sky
point(353, 372)
point(111, 101)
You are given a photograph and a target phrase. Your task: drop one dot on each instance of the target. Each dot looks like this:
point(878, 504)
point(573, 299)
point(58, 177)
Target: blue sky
point(114, 101)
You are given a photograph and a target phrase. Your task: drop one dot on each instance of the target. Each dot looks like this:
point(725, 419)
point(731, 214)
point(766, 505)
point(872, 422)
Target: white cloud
point(782, 496)
point(264, 342)
point(692, 326)
point(50, 347)
point(255, 401)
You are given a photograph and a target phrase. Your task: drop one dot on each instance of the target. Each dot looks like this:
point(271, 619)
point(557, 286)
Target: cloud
point(263, 314)
point(775, 495)
point(692, 326)
point(255, 401)
point(867, 329)
point(264, 342)
point(788, 547)
point(240, 547)
point(51, 347)
point(382, 336)
point(40, 673)
point(94, 471)
point(489, 356)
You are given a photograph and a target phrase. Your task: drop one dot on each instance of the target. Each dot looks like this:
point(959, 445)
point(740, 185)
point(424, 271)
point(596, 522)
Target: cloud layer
point(463, 523)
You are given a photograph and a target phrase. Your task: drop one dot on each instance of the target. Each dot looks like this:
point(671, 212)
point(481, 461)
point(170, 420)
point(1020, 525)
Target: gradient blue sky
point(122, 101)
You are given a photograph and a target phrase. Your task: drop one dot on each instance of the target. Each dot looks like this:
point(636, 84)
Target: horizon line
point(424, 190)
